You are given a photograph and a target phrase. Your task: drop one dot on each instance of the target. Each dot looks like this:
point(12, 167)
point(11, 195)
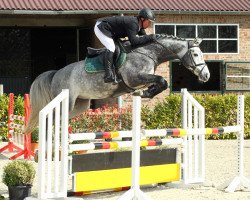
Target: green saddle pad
point(93, 65)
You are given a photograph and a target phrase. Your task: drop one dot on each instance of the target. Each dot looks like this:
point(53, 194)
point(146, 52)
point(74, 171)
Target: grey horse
point(137, 73)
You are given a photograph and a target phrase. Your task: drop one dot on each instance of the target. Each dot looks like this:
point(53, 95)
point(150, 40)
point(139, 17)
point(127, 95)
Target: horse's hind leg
point(80, 106)
point(158, 85)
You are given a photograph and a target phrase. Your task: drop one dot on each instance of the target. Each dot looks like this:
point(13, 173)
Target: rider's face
point(146, 23)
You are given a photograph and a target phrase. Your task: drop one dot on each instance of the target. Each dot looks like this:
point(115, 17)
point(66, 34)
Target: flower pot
point(34, 146)
point(19, 192)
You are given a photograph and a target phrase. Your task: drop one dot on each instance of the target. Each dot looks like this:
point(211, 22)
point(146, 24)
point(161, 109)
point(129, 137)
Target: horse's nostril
point(207, 76)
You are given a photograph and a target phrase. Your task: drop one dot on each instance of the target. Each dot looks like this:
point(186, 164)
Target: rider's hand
point(155, 36)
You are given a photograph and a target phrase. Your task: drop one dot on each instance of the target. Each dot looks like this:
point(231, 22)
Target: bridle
point(147, 55)
point(194, 66)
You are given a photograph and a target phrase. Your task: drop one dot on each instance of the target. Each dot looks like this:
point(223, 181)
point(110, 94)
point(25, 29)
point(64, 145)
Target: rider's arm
point(142, 32)
point(136, 40)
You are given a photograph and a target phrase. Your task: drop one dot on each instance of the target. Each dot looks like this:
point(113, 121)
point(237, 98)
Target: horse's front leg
point(158, 85)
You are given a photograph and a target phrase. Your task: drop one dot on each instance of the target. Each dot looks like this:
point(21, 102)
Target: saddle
point(94, 61)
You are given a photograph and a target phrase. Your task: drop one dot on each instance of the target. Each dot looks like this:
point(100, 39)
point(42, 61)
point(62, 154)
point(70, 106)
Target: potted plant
point(18, 175)
point(34, 140)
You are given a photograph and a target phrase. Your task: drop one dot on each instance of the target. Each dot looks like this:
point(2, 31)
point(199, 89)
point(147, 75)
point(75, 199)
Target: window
point(185, 31)
point(237, 76)
point(217, 38)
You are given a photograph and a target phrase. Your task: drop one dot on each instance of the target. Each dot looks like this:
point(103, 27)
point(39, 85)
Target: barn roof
point(125, 6)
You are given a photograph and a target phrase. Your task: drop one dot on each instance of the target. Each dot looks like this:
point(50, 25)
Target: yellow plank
point(115, 178)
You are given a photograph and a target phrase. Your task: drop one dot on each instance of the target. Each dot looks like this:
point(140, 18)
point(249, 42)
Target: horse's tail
point(40, 96)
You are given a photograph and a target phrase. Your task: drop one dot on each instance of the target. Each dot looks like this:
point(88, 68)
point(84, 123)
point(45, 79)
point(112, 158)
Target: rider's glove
point(155, 36)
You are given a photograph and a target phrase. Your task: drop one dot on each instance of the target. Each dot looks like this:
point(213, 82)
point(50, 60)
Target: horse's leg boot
point(108, 62)
point(152, 91)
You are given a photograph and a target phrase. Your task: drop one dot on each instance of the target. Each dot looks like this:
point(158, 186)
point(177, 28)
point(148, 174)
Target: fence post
point(135, 192)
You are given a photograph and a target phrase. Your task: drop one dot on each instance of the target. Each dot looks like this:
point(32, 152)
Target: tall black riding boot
point(116, 79)
point(108, 62)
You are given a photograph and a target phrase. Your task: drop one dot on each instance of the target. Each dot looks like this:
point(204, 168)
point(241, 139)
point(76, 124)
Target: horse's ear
point(196, 42)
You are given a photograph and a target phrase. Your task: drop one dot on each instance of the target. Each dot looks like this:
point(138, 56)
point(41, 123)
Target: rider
point(110, 29)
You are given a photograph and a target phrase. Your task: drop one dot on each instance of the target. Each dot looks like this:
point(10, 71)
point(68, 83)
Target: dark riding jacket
point(124, 26)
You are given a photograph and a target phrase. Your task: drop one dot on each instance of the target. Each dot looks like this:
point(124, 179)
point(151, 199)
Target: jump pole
point(134, 192)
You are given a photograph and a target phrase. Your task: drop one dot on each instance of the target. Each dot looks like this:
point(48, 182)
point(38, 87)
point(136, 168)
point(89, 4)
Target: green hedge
point(220, 110)
point(165, 114)
point(18, 110)
point(106, 118)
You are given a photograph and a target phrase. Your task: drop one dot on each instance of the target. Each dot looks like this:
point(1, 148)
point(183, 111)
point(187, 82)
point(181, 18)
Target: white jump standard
point(54, 171)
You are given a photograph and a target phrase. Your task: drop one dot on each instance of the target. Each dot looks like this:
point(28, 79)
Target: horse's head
point(187, 51)
point(194, 61)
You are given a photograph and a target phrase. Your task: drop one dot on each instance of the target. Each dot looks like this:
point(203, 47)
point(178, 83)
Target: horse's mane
point(162, 36)
point(125, 44)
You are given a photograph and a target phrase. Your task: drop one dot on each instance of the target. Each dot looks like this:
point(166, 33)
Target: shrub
point(166, 113)
point(4, 102)
point(220, 110)
point(18, 172)
point(102, 119)
point(35, 136)
point(247, 116)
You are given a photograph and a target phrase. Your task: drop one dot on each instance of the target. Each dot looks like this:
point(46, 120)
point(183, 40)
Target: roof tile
point(118, 5)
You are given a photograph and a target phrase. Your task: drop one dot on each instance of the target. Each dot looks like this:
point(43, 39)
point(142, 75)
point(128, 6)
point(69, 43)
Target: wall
point(89, 20)
point(244, 45)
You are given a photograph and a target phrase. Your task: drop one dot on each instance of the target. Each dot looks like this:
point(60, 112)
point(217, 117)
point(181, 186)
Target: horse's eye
point(195, 54)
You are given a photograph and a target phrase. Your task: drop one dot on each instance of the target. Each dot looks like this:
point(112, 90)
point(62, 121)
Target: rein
point(156, 63)
point(145, 55)
point(164, 47)
point(194, 66)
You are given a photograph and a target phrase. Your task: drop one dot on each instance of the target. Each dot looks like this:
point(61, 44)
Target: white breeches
point(105, 40)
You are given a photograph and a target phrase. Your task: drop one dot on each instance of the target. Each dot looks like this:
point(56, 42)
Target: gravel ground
point(221, 165)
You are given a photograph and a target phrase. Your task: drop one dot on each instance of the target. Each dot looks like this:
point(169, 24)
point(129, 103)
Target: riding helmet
point(146, 13)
